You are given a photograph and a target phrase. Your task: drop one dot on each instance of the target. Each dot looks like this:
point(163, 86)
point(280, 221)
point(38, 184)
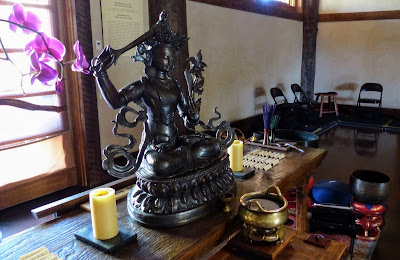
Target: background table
point(331, 99)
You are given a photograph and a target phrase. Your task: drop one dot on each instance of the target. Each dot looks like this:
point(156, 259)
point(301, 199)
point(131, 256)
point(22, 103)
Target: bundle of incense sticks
point(268, 113)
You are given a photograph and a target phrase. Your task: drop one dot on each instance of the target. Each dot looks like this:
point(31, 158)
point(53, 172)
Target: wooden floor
point(383, 155)
point(342, 159)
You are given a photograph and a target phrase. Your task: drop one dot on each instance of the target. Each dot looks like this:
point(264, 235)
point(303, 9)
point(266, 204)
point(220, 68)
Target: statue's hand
point(192, 119)
point(189, 125)
point(104, 60)
point(192, 115)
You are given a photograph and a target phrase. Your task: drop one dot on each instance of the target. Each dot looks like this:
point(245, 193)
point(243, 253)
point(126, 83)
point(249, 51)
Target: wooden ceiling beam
point(359, 16)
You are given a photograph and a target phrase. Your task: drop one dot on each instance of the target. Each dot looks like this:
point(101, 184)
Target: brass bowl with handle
point(264, 210)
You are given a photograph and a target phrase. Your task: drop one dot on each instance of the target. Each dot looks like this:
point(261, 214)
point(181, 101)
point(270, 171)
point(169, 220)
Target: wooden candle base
point(245, 174)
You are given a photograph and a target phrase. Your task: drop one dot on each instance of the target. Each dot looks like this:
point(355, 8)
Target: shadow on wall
point(260, 98)
point(346, 92)
point(282, 87)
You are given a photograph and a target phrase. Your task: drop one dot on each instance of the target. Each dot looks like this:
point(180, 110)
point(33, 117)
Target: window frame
point(14, 99)
point(81, 102)
point(271, 8)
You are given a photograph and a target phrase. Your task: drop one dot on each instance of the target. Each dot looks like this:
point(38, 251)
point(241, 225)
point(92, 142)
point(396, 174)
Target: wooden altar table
point(197, 240)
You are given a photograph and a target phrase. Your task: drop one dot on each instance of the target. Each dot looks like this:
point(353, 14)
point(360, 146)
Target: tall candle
point(235, 152)
point(103, 209)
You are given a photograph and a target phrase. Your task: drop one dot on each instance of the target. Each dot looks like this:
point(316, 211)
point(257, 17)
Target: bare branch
point(30, 106)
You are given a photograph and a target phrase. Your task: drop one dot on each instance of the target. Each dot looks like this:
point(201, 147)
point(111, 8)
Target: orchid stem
point(68, 62)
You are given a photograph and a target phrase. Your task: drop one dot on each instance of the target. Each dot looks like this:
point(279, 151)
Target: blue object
point(332, 192)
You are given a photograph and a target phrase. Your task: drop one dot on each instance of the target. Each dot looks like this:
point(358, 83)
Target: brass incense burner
point(264, 214)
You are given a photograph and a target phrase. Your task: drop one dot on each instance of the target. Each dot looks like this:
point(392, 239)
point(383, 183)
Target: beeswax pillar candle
point(103, 209)
point(235, 152)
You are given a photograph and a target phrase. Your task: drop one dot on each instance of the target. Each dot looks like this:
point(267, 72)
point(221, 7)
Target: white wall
point(353, 6)
point(243, 51)
point(352, 53)
point(124, 73)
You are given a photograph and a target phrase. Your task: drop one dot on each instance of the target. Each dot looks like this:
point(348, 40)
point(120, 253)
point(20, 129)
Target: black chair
point(301, 98)
point(278, 96)
point(370, 87)
point(287, 111)
point(307, 106)
point(299, 95)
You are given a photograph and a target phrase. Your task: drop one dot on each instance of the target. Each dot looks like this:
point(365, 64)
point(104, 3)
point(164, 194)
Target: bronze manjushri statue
point(179, 177)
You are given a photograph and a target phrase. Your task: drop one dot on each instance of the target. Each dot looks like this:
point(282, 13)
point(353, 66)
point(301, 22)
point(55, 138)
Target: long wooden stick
point(73, 202)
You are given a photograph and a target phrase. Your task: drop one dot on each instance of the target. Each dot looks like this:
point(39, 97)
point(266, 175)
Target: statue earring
point(150, 71)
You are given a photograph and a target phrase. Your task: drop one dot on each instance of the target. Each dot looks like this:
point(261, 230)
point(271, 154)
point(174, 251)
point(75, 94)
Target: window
point(289, 2)
point(284, 1)
point(16, 86)
point(36, 147)
point(289, 9)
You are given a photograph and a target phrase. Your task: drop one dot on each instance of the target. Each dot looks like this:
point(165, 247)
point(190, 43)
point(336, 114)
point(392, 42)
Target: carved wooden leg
point(301, 204)
point(336, 106)
point(321, 108)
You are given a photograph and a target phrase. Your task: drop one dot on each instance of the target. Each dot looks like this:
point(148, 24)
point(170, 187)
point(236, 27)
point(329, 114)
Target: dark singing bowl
point(369, 187)
point(302, 138)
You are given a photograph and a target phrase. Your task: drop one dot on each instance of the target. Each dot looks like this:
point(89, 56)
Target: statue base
point(169, 202)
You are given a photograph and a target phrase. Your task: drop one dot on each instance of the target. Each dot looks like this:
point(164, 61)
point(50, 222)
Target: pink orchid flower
point(41, 71)
point(39, 46)
point(80, 64)
point(24, 18)
point(59, 85)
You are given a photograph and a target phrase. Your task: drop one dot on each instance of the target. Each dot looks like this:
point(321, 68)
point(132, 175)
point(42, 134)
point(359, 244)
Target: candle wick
point(103, 193)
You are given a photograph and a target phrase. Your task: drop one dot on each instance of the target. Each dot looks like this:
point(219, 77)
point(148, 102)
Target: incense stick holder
point(266, 137)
